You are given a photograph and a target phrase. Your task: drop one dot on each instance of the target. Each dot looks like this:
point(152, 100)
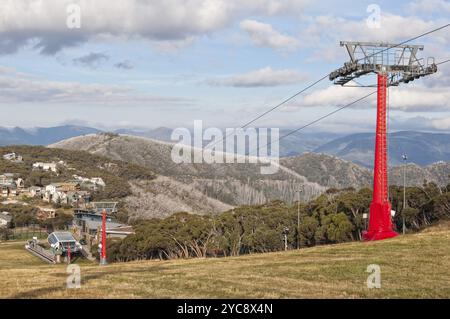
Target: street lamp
point(405, 159)
point(285, 233)
point(299, 190)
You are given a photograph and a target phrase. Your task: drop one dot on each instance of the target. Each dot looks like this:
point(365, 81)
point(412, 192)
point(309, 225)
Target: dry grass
point(412, 266)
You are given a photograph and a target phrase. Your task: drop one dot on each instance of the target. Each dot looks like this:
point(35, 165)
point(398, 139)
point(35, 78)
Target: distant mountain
point(421, 148)
point(294, 144)
point(160, 133)
point(41, 135)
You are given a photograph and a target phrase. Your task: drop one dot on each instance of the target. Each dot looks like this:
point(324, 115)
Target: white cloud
point(323, 34)
point(265, 77)
point(407, 98)
point(265, 35)
point(336, 95)
point(441, 124)
point(44, 22)
point(23, 88)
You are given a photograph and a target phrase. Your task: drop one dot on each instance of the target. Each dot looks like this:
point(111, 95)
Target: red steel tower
point(393, 64)
point(103, 250)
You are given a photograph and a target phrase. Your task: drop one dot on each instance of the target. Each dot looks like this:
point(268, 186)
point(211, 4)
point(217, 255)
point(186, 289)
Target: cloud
point(323, 34)
point(265, 77)
point(92, 60)
point(265, 35)
point(43, 24)
point(21, 88)
point(408, 98)
point(441, 124)
point(125, 65)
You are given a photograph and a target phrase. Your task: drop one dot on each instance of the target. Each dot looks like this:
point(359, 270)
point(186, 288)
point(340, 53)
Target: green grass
point(411, 266)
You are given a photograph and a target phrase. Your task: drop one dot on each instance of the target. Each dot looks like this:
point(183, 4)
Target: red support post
point(68, 254)
point(380, 223)
point(103, 251)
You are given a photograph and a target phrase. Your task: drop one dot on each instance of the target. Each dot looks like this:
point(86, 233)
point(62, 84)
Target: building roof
point(63, 236)
point(95, 224)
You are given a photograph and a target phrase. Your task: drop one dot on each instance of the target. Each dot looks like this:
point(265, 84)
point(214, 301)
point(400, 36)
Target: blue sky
point(167, 63)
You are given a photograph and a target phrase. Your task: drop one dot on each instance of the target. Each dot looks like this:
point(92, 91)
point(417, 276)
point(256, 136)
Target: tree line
point(333, 217)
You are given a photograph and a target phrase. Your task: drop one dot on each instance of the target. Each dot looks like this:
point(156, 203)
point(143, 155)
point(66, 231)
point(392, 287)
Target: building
point(7, 179)
point(93, 183)
point(78, 198)
point(90, 223)
point(9, 186)
point(62, 187)
point(9, 190)
point(13, 157)
point(35, 191)
point(46, 166)
point(5, 219)
point(61, 241)
point(67, 193)
point(109, 207)
point(20, 183)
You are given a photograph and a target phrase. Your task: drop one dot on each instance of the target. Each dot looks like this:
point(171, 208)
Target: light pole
point(300, 190)
point(405, 159)
point(285, 233)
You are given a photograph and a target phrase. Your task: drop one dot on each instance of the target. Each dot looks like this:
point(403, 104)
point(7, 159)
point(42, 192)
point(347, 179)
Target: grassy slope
point(412, 266)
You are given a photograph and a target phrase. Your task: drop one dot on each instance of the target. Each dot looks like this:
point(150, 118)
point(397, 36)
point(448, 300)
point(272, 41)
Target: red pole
point(68, 254)
point(380, 224)
point(103, 252)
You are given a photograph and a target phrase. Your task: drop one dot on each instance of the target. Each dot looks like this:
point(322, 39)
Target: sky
point(149, 63)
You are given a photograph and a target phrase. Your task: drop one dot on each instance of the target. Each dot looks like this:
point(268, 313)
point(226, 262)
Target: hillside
point(242, 184)
point(412, 266)
point(124, 181)
point(295, 144)
point(422, 148)
point(331, 171)
point(234, 184)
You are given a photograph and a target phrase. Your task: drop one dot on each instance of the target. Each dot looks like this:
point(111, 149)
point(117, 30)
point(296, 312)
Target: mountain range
point(422, 148)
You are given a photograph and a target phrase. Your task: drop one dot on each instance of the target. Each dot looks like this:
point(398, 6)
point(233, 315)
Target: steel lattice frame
point(399, 62)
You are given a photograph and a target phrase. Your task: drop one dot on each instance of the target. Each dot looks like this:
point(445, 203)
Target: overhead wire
point(324, 77)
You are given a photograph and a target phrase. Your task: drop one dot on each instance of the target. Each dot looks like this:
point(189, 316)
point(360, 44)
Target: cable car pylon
point(393, 64)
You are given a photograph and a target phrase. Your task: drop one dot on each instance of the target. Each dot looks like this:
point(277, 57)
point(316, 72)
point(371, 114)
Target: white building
point(7, 179)
point(13, 157)
point(45, 166)
point(5, 219)
point(98, 181)
point(92, 183)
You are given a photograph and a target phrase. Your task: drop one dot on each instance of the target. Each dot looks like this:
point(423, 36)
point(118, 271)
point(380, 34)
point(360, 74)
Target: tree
point(336, 228)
